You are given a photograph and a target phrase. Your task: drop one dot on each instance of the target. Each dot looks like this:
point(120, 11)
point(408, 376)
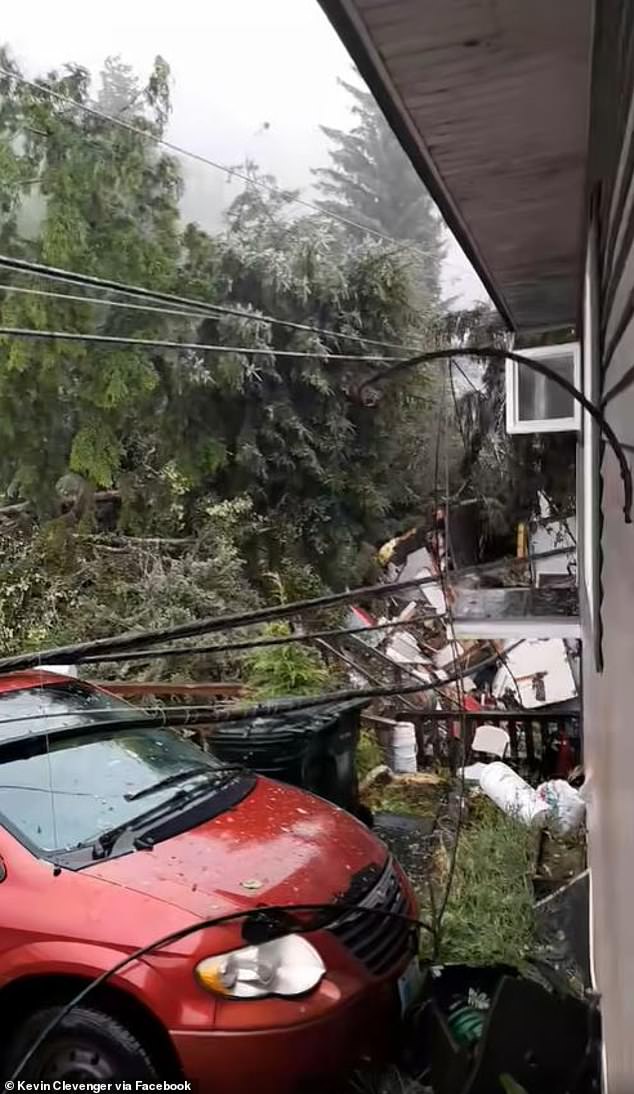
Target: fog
point(251, 79)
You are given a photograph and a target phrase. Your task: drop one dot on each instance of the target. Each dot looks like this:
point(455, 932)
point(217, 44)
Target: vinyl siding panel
point(608, 694)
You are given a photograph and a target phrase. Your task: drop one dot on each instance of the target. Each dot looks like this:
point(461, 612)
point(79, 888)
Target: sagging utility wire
point(484, 352)
point(439, 910)
point(159, 343)
point(72, 654)
point(231, 172)
point(191, 309)
point(255, 643)
point(267, 923)
point(236, 712)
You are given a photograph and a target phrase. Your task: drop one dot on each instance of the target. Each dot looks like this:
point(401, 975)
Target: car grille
point(380, 942)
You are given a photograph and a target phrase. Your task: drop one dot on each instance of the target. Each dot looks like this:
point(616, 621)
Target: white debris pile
point(534, 639)
point(555, 805)
point(539, 673)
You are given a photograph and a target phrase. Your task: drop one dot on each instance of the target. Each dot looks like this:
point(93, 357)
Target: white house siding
point(608, 612)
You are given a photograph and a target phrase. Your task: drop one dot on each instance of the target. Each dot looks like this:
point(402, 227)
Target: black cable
point(192, 928)
point(160, 343)
point(235, 712)
point(626, 381)
point(537, 366)
point(476, 390)
point(66, 655)
point(269, 709)
point(253, 643)
point(456, 408)
point(198, 309)
point(383, 657)
point(231, 172)
point(334, 652)
point(439, 912)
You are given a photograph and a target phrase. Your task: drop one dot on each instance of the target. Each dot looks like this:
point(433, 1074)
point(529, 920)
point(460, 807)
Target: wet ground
point(406, 813)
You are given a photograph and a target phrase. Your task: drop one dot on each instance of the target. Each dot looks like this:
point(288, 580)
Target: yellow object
point(386, 551)
point(522, 537)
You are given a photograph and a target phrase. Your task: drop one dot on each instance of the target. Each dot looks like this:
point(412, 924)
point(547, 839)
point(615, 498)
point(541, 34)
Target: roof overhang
point(490, 100)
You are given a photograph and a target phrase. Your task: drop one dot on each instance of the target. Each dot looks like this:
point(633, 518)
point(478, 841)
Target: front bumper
point(276, 1046)
point(295, 1059)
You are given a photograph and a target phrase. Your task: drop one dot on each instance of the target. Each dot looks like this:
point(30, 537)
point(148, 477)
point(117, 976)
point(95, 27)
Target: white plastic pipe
point(513, 795)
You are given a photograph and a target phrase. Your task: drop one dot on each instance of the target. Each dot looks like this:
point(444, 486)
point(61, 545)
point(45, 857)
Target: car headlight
point(285, 966)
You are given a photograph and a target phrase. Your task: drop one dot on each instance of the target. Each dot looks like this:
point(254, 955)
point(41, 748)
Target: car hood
point(279, 845)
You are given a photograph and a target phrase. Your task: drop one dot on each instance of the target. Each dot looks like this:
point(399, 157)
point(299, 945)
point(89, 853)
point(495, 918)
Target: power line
point(254, 643)
point(157, 343)
point(209, 311)
point(72, 654)
point(237, 712)
point(535, 365)
point(232, 172)
point(191, 314)
point(99, 300)
point(267, 921)
point(439, 911)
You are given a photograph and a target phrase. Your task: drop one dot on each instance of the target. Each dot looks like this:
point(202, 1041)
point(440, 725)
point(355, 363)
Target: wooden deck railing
point(542, 743)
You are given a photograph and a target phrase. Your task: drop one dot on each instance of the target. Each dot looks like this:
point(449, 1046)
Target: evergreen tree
point(99, 200)
point(177, 432)
point(371, 181)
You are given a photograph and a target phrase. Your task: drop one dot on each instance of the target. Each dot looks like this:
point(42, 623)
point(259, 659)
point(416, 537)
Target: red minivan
point(113, 834)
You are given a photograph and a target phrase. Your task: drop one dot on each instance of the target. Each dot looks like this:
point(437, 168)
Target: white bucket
point(513, 795)
point(402, 748)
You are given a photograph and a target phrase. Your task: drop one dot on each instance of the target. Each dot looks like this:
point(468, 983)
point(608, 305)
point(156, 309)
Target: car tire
point(87, 1046)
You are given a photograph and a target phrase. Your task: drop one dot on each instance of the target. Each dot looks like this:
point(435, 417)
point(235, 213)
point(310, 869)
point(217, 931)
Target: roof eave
point(360, 47)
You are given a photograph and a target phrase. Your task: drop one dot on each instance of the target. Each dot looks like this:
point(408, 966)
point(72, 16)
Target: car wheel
point(87, 1046)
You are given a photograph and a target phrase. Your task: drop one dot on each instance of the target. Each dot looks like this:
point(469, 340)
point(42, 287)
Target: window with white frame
point(537, 404)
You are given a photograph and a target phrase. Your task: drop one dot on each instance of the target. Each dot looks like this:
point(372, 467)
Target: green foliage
point(490, 917)
point(98, 200)
point(176, 431)
point(369, 754)
point(317, 478)
point(57, 586)
point(371, 181)
point(276, 671)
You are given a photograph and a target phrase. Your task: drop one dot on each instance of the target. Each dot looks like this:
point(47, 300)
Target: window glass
point(77, 789)
point(540, 398)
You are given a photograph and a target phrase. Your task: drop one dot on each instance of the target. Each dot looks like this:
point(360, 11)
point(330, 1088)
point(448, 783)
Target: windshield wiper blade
point(182, 776)
point(105, 842)
point(169, 780)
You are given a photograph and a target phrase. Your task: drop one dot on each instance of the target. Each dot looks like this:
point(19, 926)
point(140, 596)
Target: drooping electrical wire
point(72, 654)
point(439, 910)
point(192, 308)
point(237, 712)
point(231, 172)
point(159, 343)
point(332, 911)
point(253, 643)
point(536, 365)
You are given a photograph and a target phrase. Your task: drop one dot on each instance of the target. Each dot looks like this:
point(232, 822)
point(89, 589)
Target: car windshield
point(58, 706)
point(81, 786)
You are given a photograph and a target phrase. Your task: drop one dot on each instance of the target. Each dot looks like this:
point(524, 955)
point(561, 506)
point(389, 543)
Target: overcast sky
point(251, 78)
